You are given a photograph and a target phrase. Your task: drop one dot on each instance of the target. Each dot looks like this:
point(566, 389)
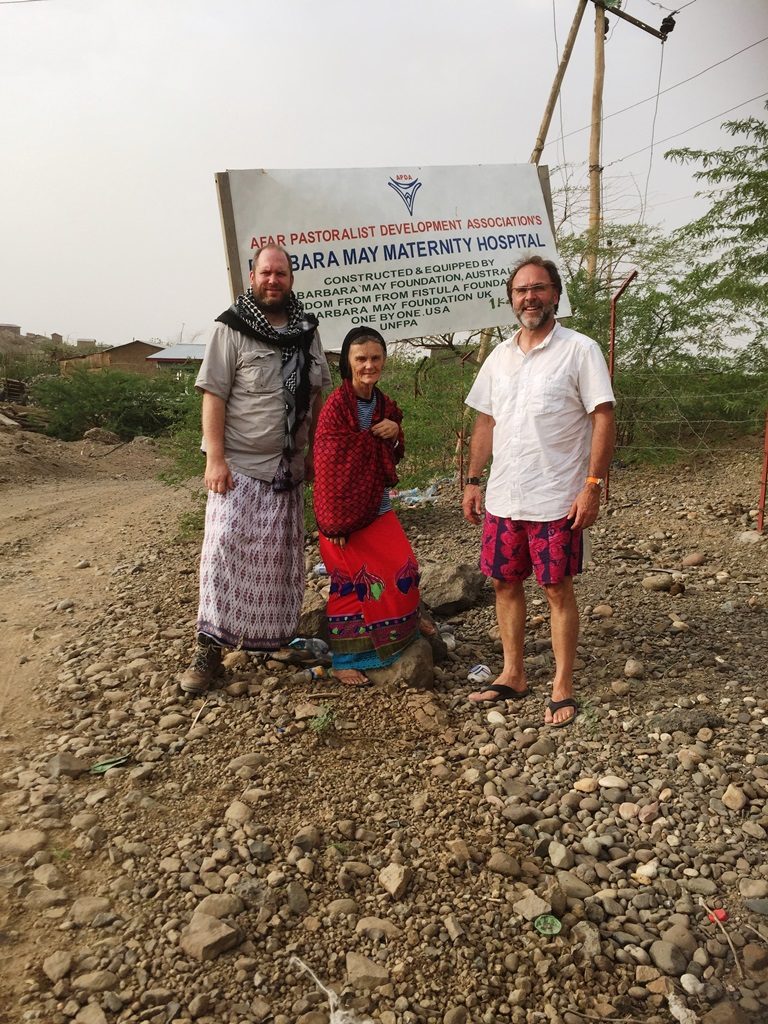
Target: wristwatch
point(474, 480)
point(596, 481)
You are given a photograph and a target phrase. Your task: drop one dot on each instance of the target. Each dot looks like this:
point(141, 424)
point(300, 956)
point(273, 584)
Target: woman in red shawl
point(373, 607)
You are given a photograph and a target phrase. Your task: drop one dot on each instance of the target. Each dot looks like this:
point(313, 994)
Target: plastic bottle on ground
point(309, 675)
point(313, 644)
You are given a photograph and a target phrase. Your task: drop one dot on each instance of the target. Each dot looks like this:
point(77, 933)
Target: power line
point(662, 92)
point(661, 7)
point(23, 1)
point(670, 10)
point(616, 22)
point(685, 130)
point(653, 135)
point(559, 95)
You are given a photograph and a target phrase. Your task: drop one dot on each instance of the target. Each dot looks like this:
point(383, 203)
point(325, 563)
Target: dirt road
point(59, 541)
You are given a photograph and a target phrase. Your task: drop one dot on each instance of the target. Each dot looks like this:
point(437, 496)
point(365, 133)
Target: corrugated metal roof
point(179, 354)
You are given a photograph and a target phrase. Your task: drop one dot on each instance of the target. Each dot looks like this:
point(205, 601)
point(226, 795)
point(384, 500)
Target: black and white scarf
point(293, 342)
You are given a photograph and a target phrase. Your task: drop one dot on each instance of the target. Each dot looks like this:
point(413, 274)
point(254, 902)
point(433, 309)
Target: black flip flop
point(502, 693)
point(556, 705)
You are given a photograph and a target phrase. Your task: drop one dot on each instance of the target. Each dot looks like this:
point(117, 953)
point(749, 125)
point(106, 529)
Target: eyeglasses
point(537, 289)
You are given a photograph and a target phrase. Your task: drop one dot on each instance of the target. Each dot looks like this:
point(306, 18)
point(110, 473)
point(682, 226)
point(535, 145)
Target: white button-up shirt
point(540, 402)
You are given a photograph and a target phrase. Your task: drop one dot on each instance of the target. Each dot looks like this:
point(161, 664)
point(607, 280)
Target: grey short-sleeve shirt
point(245, 373)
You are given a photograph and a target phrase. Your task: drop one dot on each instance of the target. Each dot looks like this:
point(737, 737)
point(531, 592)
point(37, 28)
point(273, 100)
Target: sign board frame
point(405, 250)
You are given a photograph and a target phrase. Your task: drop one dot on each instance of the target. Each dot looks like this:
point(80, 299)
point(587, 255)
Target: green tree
point(666, 316)
point(733, 234)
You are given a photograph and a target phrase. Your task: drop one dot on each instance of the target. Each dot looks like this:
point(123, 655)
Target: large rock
point(313, 621)
point(22, 844)
point(682, 937)
point(86, 908)
point(298, 901)
point(377, 928)
point(749, 537)
point(502, 863)
point(98, 435)
point(560, 857)
point(658, 582)
point(727, 1013)
point(755, 957)
point(586, 937)
point(220, 905)
point(734, 798)
point(205, 937)
point(414, 668)
point(365, 973)
point(531, 906)
point(448, 589)
point(308, 838)
point(694, 558)
point(91, 1014)
point(238, 812)
point(96, 981)
point(395, 878)
point(57, 965)
point(66, 764)
point(668, 958)
point(574, 887)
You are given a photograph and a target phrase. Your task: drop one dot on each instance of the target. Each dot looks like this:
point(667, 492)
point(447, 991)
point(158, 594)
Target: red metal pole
point(612, 349)
point(615, 298)
point(764, 480)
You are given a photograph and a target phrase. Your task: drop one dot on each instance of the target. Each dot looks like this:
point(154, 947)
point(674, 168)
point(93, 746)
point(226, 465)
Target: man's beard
point(270, 303)
point(536, 317)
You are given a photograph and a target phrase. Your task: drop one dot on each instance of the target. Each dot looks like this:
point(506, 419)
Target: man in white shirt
point(545, 411)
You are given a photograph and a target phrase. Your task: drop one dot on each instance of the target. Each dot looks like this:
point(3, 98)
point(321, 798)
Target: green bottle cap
point(547, 924)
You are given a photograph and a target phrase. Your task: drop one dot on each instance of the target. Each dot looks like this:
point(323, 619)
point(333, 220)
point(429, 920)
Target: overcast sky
point(116, 114)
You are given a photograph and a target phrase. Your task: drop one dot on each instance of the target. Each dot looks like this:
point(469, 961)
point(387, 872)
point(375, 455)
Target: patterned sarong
point(373, 608)
point(252, 565)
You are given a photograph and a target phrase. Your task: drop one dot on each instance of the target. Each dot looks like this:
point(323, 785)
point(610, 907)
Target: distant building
point(131, 357)
point(11, 329)
point(57, 339)
point(176, 355)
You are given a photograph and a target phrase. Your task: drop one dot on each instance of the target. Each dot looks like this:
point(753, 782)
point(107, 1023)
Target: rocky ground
point(399, 844)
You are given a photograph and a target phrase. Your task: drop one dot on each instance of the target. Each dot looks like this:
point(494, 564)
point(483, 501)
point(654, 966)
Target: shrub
point(126, 403)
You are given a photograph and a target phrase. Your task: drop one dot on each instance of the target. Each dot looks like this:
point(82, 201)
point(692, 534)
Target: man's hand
point(386, 429)
point(585, 508)
point(472, 504)
point(218, 476)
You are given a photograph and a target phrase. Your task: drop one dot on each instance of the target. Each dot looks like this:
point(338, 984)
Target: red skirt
point(373, 607)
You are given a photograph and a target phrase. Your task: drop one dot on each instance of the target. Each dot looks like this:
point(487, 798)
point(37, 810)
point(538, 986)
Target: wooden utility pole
point(595, 170)
point(555, 90)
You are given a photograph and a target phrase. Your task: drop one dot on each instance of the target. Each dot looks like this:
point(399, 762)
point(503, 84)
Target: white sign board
point(412, 251)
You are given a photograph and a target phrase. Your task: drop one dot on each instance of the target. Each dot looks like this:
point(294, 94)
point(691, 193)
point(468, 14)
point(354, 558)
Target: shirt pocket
point(260, 373)
point(548, 395)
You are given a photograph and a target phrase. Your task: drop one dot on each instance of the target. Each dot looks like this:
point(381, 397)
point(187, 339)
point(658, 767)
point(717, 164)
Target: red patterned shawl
point(352, 466)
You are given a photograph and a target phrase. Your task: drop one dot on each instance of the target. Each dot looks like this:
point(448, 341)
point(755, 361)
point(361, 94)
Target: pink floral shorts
point(512, 549)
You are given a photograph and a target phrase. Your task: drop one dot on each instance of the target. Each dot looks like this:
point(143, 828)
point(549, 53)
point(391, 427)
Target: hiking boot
point(205, 667)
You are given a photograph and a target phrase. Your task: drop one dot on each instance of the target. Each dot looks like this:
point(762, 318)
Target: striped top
point(365, 409)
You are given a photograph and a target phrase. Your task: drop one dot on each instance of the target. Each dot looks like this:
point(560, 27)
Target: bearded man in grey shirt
point(262, 379)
